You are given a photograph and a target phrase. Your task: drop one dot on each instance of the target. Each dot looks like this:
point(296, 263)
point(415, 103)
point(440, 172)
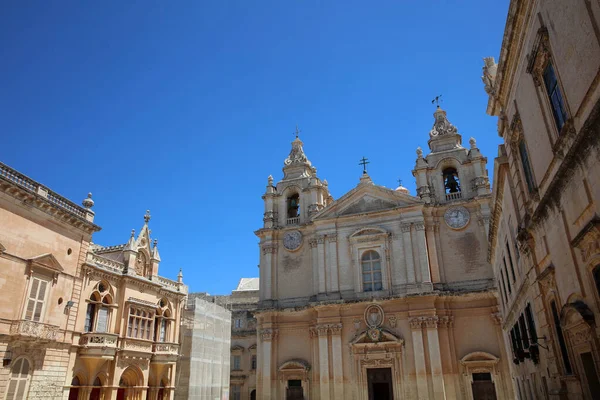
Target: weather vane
point(437, 100)
point(364, 163)
point(399, 182)
point(297, 132)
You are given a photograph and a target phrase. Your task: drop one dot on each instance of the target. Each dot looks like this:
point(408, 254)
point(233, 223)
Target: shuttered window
point(19, 379)
point(140, 324)
point(35, 302)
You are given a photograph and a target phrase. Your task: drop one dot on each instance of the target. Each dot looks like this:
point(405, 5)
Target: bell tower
point(298, 196)
point(449, 172)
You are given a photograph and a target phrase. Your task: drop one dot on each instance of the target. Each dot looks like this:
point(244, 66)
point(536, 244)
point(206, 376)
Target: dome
point(402, 189)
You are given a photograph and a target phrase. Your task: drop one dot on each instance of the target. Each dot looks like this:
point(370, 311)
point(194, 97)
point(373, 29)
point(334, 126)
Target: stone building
point(241, 356)
point(380, 294)
point(545, 231)
point(78, 320)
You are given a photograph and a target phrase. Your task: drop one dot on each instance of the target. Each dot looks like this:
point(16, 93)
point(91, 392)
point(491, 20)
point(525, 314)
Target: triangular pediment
point(367, 199)
point(47, 261)
point(384, 336)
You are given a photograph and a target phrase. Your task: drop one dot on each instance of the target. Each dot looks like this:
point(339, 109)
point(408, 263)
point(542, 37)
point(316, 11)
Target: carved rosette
point(268, 334)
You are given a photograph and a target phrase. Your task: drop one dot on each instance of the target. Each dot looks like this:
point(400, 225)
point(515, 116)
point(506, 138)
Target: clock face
point(457, 217)
point(292, 240)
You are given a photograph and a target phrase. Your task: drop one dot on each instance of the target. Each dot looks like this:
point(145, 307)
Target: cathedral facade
point(380, 294)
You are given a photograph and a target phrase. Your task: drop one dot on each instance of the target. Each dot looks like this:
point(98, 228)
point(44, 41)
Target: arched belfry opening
point(293, 206)
point(451, 180)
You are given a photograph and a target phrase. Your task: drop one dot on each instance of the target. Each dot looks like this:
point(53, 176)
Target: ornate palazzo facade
point(78, 320)
point(545, 231)
point(380, 294)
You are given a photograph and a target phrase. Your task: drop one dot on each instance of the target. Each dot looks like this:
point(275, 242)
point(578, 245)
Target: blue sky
point(185, 108)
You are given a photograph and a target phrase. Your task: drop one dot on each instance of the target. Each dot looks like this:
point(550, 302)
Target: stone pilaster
point(416, 324)
point(336, 355)
point(267, 336)
point(315, 265)
point(435, 358)
point(322, 331)
point(432, 251)
point(425, 274)
point(408, 254)
point(332, 264)
point(269, 252)
point(321, 264)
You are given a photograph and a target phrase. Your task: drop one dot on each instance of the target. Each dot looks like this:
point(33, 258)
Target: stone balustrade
point(169, 284)
point(25, 182)
point(293, 221)
point(93, 339)
point(165, 348)
point(453, 196)
point(34, 330)
point(131, 344)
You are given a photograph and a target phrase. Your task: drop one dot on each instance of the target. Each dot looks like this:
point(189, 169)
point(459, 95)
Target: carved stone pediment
point(46, 261)
point(366, 199)
point(368, 338)
point(368, 204)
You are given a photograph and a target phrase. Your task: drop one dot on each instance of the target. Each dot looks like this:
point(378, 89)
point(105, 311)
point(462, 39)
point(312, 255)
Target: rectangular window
point(36, 299)
point(141, 324)
point(510, 261)
point(253, 362)
point(504, 287)
point(530, 324)
point(236, 392)
point(89, 317)
point(561, 340)
point(102, 325)
point(526, 165)
point(507, 281)
point(523, 328)
point(238, 323)
point(237, 363)
point(555, 96)
point(163, 330)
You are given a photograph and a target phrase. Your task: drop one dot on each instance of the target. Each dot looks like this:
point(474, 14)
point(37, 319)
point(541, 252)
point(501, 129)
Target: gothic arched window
point(162, 322)
point(19, 380)
point(451, 181)
point(371, 271)
point(98, 310)
point(293, 206)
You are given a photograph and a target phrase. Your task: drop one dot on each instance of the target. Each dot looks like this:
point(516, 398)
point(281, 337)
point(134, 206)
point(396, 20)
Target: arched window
point(19, 380)
point(371, 271)
point(162, 322)
point(293, 206)
point(98, 309)
point(561, 339)
point(451, 181)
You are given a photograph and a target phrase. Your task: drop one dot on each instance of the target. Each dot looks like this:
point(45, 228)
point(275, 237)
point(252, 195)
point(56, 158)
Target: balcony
point(453, 196)
point(165, 352)
point(101, 345)
point(135, 345)
point(36, 331)
point(293, 221)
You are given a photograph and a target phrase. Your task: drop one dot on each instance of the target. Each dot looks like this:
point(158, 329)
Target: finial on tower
point(297, 132)
point(132, 232)
point(437, 100)
point(88, 202)
point(270, 180)
point(180, 276)
point(147, 216)
point(155, 242)
point(419, 152)
point(473, 143)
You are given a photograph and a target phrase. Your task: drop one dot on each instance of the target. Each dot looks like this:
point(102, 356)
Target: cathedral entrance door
point(483, 387)
point(294, 390)
point(380, 383)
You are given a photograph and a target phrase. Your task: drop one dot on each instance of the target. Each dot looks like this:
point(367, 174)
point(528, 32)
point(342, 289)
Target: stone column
point(451, 375)
point(432, 251)
point(435, 358)
point(398, 273)
point(419, 353)
point(267, 336)
point(337, 364)
point(315, 265)
point(332, 264)
point(321, 264)
point(423, 256)
point(323, 361)
point(408, 254)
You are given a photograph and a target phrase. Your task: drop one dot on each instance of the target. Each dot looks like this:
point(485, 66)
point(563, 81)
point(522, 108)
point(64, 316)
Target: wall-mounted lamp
point(7, 358)
point(70, 304)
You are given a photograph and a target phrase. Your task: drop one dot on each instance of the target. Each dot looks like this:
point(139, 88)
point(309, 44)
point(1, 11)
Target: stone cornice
point(34, 194)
